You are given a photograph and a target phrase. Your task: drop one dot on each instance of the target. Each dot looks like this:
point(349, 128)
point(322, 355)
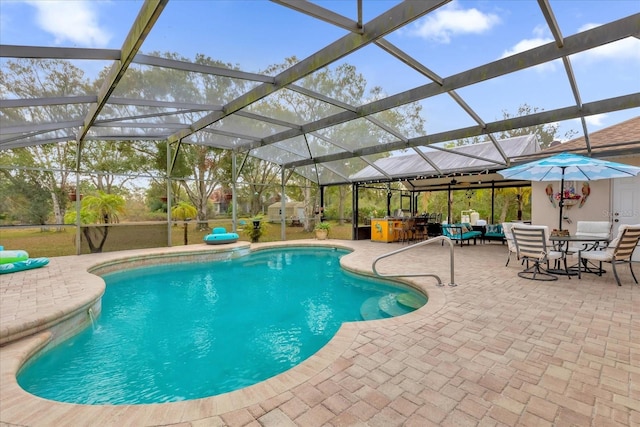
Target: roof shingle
point(622, 138)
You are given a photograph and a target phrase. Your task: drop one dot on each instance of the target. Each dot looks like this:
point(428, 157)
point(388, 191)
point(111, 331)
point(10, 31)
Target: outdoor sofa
point(461, 232)
point(494, 232)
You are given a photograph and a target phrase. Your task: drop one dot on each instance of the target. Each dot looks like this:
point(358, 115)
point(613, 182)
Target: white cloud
point(625, 49)
point(538, 40)
point(540, 31)
point(596, 120)
point(526, 44)
point(594, 123)
point(588, 26)
point(74, 21)
point(452, 20)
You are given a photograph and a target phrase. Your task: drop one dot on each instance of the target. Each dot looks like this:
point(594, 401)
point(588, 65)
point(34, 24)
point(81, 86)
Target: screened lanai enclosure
point(179, 112)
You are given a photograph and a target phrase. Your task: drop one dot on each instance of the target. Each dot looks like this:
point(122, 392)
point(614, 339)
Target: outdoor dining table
point(590, 243)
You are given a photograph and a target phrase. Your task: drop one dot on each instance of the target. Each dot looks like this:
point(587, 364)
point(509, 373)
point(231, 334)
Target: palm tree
point(102, 208)
point(184, 211)
point(518, 196)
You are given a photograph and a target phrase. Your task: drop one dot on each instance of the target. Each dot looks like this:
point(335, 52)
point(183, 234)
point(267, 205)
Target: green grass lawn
point(48, 242)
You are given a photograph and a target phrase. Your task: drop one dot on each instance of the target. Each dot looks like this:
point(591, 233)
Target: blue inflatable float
point(220, 236)
point(18, 260)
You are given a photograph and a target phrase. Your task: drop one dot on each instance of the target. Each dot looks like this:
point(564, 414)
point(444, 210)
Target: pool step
point(411, 300)
point(389, 305)
point(369, 310)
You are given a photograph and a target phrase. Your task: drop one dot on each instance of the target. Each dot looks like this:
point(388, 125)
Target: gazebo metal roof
point(477, 159)
point(310, 148)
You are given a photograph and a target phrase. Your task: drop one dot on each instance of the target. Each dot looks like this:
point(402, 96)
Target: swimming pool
point(185, 331)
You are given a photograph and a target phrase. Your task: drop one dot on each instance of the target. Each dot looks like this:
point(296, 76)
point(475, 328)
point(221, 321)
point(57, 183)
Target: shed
point(292, 210)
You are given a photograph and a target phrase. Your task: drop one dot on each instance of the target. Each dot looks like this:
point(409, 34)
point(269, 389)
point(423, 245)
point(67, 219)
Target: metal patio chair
point(511, 245)
point(620, 251)
point(532, 247)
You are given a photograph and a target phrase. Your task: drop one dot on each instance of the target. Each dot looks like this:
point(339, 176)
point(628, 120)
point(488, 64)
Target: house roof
point(619, 140)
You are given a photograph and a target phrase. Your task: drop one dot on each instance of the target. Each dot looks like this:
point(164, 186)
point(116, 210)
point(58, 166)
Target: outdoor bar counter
point(382, 229)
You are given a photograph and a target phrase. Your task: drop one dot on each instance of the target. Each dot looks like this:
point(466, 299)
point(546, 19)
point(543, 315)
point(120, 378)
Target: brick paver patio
point(494, 350)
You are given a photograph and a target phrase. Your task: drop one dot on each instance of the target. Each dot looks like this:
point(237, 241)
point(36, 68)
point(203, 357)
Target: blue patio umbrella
point(572, 167)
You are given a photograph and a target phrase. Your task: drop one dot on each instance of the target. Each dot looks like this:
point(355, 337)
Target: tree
point(546, 133)
point(344, 84)
point(523, 198)
point(260, 179)
point(111, 164)
point(513, 202)
point(210, 167)
point(309, 193)
point(102, 208)
point(22, 197)
point(200, 168)
point(183, 211)
point(38, 78)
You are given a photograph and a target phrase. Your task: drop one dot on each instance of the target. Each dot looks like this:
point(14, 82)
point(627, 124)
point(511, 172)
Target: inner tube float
point(220, 236)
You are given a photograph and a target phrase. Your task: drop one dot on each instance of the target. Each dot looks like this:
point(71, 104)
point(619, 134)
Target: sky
point(459, 36)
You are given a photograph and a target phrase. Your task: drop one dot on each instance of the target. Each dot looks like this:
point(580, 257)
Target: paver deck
point(494, 350)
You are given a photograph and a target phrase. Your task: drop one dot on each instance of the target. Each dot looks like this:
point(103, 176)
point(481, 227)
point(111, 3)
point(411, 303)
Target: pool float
point(8, 257)
point(220, 236)
point(18, 260)
point(23, 265)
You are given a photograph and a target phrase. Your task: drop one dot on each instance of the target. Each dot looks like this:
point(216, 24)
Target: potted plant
point(322, 230)
point(255, 229)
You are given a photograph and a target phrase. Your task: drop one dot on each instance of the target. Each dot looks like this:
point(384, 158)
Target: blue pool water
point(186, 331)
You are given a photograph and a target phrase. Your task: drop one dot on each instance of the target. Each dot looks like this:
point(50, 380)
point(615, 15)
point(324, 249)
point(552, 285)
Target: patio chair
point(619, 251)
point(531, 245)
point(420, 228)
point(404, 230)
point(508, 235)
point(596, 229)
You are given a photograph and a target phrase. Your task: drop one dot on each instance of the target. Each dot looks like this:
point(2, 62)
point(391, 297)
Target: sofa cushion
point(494, 229)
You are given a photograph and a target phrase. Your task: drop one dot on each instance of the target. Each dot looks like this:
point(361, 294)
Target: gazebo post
point(354, 211)
point(234, 192)
point(168, 177)
point(283, 207)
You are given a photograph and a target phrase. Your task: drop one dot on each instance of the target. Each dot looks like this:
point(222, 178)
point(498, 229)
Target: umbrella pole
point(561, 204)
